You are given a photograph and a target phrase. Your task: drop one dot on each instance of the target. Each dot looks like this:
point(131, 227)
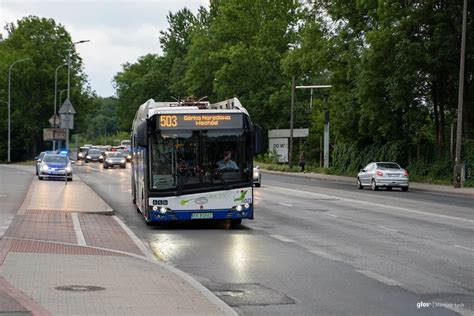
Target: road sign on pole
point(54, 134)
point(67, 112)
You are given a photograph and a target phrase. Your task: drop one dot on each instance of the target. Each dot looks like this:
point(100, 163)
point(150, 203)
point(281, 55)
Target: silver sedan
point(383, 174)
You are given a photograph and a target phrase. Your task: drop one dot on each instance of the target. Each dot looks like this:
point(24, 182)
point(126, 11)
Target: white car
point(383, 174)
point(257, 176)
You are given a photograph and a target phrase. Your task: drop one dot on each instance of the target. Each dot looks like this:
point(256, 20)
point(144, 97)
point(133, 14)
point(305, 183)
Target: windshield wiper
point(224, 182)
point(181, 185)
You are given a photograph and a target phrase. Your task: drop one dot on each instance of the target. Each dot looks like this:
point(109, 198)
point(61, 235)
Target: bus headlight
point(239, 208)
point(163, 210)
point(246, 205)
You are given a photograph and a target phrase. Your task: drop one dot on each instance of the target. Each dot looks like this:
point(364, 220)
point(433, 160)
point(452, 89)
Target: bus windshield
point(186, 160)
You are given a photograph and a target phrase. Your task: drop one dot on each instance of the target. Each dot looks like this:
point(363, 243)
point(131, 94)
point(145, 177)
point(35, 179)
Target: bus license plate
point(201, 215)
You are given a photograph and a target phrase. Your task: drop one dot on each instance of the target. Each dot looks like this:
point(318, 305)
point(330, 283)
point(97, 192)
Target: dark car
point(114, 158)
point(93, 155)
point(55, 166)
point(125, 153)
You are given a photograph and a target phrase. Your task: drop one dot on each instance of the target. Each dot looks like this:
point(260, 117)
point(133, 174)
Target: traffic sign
point(54, 134)
point(54, 123)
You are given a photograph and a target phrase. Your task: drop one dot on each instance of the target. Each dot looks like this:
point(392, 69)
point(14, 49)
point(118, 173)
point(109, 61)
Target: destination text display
point(200, 121)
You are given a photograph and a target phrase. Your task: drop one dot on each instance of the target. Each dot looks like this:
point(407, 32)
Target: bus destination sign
point(200, 121)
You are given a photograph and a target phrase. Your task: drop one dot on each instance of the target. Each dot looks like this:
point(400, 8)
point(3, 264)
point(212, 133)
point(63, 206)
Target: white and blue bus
point(193, 161)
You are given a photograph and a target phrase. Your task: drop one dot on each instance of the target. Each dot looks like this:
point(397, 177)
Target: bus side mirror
point(258, 140)
point(142, 134)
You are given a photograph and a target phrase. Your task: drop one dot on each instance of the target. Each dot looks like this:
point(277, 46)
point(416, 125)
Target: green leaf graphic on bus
point(242, 196)
point(184, 202)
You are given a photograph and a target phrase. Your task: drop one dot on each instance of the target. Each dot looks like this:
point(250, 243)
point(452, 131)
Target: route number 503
point(168, 121)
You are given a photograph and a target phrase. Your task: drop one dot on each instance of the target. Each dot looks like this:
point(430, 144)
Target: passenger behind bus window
point(226, 162)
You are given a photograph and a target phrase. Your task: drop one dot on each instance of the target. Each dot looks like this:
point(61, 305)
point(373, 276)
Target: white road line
point(379, 205)
point(332, 215)
point(465, 248)
point(325, 255)
point(389, 229)
point(257, 198)
point(81, 241)
point(147, 252)
point(3, 195)
point(284, 204)
point(282, 238)
point(380, 278)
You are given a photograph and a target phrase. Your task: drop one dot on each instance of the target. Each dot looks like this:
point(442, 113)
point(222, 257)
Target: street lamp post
point(457, 157)
point(9, 102)
point(69, 87)
point(55, 95)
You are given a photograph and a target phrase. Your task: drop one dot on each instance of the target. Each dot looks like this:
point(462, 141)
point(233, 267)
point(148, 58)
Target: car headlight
point(80, 154)
point(129, 157)
point(44, 167)
point(69, 168)
point(88, 157)
point(122, 160)
point(256, 174)
point(109, 160)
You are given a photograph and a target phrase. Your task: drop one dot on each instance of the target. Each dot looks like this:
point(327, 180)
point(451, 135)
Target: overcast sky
point(119, 30)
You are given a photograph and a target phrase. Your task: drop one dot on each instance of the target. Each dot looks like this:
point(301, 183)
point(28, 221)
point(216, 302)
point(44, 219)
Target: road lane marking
point(282, 238)
point(81, 241)
point(465, 248)
point(386, 228)
point(379, 205)
point(3, 195)
point(257, 198)
point(325, 255)
point(284, 204)
point(380, 278)
point(332, 215)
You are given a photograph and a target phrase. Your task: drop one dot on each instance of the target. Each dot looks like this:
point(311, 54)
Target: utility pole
point(457, 157)
point(290, 154)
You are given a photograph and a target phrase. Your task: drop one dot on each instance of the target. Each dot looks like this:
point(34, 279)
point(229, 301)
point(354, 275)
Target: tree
point(46, 43)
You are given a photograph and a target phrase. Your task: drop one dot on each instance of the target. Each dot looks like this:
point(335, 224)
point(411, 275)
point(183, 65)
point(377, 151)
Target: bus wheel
point(236, 222)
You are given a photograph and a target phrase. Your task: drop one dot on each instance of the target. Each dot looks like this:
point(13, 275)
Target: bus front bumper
point(186, 215)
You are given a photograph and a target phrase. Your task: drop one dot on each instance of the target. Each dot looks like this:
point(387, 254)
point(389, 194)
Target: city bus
point(193, 161)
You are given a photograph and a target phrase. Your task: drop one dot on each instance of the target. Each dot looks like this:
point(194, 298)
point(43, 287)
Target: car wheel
point(404, 189)
point(389, 188)
point(40, 178)
point(123, 166)
point(69, 179)
point(374, 185)
point(258, 185)
point(105, 166)
point(236, 222)
point(359, 184)
point(87, 161)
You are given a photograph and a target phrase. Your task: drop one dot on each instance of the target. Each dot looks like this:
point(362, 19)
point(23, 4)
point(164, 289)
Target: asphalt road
point(14, 184)
point(318, 247)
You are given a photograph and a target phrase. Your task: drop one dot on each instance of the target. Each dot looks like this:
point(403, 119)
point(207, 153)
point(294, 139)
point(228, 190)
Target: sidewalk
point(446, 189)
point(63, 255)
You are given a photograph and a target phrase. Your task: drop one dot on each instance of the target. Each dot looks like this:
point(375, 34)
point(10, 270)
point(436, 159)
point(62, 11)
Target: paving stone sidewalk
point(66, 253)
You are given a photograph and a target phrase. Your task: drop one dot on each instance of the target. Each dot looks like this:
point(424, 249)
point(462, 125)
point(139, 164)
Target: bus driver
point(226, 162)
